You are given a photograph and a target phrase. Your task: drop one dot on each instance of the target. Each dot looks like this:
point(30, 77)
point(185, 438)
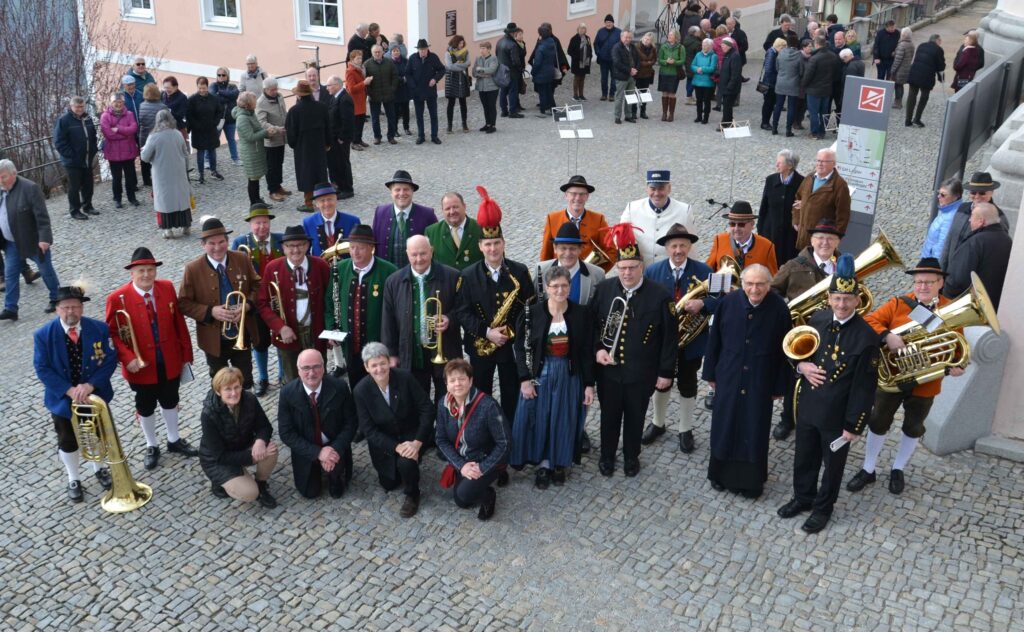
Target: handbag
point(961, 83)
point(763, 87)
point(503, 76)
point(448, 473)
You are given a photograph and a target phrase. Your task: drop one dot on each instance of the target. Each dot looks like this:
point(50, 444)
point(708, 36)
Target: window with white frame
point(318, 20)
point(582, 6)
point(490, 16)
point(137, 10)
point(221, 15)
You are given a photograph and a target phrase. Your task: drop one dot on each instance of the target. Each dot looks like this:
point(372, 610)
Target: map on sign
point(861, 147)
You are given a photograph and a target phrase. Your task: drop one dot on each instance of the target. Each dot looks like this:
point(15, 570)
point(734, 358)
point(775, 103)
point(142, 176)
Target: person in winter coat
point(147, 119)
point(853, 44)
point(770, 76)
point(401, 100)
point(624, 69)
point(902, 57)
point(967, 62)
point(704, 67)
point(177, 102)
point(205, 118)
point(545, 63)
point(250, 143)
point(886, 41)
point(133, 98)
point(985, 251)
point(309, 135)
point(671, 67)
point(510, 56)
point(356, 83)
point(74, 138)
point(775, 217)
point(484, 68)
point(852, 67)
point(581, 55)
point(138, 72)
point(689, 18)
point(646, 57)
point(456, 79)
point(818, 82)
point(790, 66)
point(692, 44)
point(424, 71)
point(729, 78)
point(252, 79)
point(271, 113)
point(119, 147)
point(929, 64)
point(167, 152)
point(605, 40)
point(381, 91)
point(227, 93)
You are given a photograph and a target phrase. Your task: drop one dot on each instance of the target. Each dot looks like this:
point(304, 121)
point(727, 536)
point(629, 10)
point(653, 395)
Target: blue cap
point(127, 79)
point(660, 176)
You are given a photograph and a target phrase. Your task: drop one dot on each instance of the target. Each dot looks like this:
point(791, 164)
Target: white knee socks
point(660, 407)
point(686, 407)
point(907, 446)
point(171, 421)
point(872, 450)
point(70, 461)
point(149, 429)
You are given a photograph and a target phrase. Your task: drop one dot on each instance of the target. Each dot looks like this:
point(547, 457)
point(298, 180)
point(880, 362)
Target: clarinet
point(528, 343)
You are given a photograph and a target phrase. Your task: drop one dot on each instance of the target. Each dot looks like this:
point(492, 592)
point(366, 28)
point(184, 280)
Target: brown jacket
point(797, 275)
point(832, 200)
point(200, 292)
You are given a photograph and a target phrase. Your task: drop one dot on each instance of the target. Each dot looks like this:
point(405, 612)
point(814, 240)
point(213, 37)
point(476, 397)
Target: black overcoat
point(407, 415)
point(309, 136)
point(775, 219)
point(397, 330)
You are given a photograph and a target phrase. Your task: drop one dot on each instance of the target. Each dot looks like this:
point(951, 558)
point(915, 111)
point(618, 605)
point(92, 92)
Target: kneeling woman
point(554, 355)
point(236, 435)
point(473, 436)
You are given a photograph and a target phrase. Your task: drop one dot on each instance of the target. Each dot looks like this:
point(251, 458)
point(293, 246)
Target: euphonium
point(235, 331)
point(125, 331)
point(485, 347)
point(877, 256)
point(339, 249)
point(433, 326)
point(927, 355)
point(98, 442)
point(692, 325)
point(597, 256)
point(613, 325)
point(801, 342)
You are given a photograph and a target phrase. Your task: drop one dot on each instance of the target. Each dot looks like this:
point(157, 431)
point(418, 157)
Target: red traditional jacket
point(174, 340)
point(317, 279)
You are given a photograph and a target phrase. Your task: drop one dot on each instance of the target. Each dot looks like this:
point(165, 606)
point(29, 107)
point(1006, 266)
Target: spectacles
point(220, 75)
point(140, 63)
point(925, 283)
point(312, 367)
point(824, 162)
point(976, 193)
point(558, 286)
point(737, 224)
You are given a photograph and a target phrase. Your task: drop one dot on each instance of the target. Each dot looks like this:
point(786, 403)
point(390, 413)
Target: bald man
point(406, 316)
point(985, 251)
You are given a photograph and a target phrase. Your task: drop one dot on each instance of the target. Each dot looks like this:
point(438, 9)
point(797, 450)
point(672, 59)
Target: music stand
point(831, 121)
point(633, 98)
point(567, 117)
point(734, 131)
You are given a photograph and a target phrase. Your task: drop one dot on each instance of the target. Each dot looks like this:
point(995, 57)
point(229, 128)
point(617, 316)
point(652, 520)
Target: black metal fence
point(37, 160)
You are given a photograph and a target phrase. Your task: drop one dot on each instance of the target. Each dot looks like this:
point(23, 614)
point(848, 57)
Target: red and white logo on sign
point(871, 99)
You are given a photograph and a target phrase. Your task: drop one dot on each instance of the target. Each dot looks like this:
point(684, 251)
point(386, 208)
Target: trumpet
point(801, 342)
point(613, 325)
point(235, 331)
point(126, 333)
point(276, 304)
point(597, 256)
point(432, 306)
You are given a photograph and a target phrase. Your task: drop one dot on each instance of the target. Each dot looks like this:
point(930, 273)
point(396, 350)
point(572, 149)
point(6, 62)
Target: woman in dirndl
point(554, 353)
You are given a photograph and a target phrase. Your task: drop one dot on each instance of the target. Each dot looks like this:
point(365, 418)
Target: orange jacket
point(355, 83)
point(763, 252)
point(590, 229)
point(892, 314)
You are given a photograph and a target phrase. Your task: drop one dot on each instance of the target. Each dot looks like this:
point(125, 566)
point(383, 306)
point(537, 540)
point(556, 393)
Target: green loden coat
point(250, 143)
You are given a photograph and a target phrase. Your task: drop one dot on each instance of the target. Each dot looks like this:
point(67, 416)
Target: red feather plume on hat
point(489, 213)
point(620, 235)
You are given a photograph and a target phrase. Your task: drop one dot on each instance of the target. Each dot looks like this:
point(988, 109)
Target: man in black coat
point(986, 252)
point(929, 65)
point(342, 115)
point(636, 338)
point(74, 138)
point(511, 56)
point(834, 395)
point(404, 327)
point(308, 130)
point(980, 189)
point(730, 79)
point(316, 417)
point(886, 41)
point(359, 41)
point(818, 82)
point(624, 68)
point(397, 418)
point(422, 74)
point(785, 26)
point(740, 37)
point(851, 68)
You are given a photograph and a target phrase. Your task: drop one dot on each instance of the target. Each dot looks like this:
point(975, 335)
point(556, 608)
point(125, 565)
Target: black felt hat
point(295, 233)
point(143, 257)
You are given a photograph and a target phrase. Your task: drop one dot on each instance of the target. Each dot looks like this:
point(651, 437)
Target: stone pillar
point(1002, 30)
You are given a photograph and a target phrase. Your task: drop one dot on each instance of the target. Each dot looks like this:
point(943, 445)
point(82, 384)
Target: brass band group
point(418, 315)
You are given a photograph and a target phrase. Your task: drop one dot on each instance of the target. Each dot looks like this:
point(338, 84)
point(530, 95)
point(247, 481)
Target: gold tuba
point(880, 254)
point(235, 331)
point(692, 325)
point(98, 442)
point(613, 325)
point(339, 249)
point(597, 256)
point(927, 355)
point(485, 347)
point(801, 342)
point(125, 331)
point(432, 306)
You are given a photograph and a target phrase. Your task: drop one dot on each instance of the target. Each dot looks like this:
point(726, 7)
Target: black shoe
point(8, 315)
point(686, 444)
point(607, 468)
point(218, 491)
point(420, 141)
point(265, 499)
point(860, 480)
point(752, 494)
point(336, 486)
point(344, 195)
point(75, 491)
point(815, 523)
point(436, 141)
point(103, 476)
point(182, 447)
point(631, 119)
point(652, 433)
point(152, 457)
point(502, 478)
point(558, 478)
point(410, 507)
point(133, 201)
point(202, 178)
point(792, 509)
point(262, 387)
point(775, 131)
point(918, 123)
point(542, 478)
point(789, 133)
point(487, 505)
point(718, 487)
point(585, 443)
point(50, 308)
point(907, 124)
point(78, 215)
point(896, 483)
point(357, 147)
point(631, 468)
point(491, 129)
point(515, 115)
point(504, 115)
point(90, 210)
point(392, 141)
point(216, 175)
point(698, 119)
point(358, 436)
point(117, 204)
point(484, 128)
point(766, 126)
point(717, 108)
point(782, 431)
point(30, 276)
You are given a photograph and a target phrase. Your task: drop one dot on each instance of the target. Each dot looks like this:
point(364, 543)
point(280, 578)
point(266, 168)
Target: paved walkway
point(661, 551)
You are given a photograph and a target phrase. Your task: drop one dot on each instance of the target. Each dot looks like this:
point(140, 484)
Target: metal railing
point(39, 158)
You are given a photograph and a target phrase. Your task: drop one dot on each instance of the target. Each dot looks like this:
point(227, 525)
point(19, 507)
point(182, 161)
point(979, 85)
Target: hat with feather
point(488, 216)
point(844, 281)
point(622, 238)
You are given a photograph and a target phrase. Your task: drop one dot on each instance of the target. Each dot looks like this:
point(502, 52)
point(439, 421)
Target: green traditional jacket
point(468, 252)
point(342, 274)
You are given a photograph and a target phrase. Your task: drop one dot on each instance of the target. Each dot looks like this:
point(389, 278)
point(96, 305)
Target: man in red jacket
point(153, 345)
point(295, 312)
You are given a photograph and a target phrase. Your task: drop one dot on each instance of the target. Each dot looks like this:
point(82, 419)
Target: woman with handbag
point(473, 436)
point(581, 54)
point(967, 62)
point(456, 79)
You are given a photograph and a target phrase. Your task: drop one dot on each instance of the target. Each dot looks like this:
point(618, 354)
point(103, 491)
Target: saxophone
point(485, 347)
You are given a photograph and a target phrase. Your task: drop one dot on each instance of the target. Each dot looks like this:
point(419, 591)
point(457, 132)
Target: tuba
point(880, 254)
point(235, 331)
point(927, 355)
point(99, 443)
point(434, 339)
point(339, 249)
point(597, 256)
point(485, 347)
point(125, 331)
point(613, 325)
point(692, 325)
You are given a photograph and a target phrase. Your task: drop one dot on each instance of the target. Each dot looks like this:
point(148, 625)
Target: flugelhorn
point(692, 325)
point(235, 301)
point(597, 256)
point(432, 307)
point(339, 249)
point(98, 441)
point(125, 332)
point(613, 325)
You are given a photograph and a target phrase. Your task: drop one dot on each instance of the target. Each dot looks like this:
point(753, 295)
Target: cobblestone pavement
point(660, 551)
